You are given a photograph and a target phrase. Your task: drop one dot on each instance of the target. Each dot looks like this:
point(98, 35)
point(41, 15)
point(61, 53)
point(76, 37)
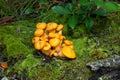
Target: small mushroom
point(44, 38)
point(50, 27)
point(53, 35)
point(68, 42)
point(38, 32)
point(60, 27)
point(54, 25)
point(62, 37)
point(39, 45)
point(54, 42)
point(4, 65)
point(41, 25)
point(46, 47)
point(68, 52)
point(35, 39)
point(57, 35)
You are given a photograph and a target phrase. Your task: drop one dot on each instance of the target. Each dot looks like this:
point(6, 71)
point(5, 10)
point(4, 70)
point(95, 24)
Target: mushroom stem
point(61, 55)
point(46, 52)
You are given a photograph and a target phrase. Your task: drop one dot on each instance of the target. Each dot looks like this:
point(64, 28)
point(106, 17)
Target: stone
point(112, 61)
point(106, 69)
point(4, 78)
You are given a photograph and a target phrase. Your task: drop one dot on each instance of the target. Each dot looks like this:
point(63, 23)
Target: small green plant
point(84, 11)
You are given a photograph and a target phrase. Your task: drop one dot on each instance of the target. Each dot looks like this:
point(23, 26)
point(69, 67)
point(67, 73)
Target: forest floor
point(25, 62)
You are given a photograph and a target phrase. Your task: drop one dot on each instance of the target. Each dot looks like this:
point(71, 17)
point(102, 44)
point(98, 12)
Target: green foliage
point(72, 22)
point(60, 10)
point(29, 11)
point(89, 23)
point(16, 8)
point(80, 12)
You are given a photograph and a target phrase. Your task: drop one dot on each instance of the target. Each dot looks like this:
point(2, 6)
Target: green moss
point(29, 62)
point(79, 45)
point(15, 47)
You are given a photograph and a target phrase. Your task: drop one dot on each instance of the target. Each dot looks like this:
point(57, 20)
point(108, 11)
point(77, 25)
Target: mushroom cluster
point(49, 39)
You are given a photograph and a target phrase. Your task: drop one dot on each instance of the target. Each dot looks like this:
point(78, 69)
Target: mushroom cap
point(54, 35)
point(63, 45)
point(50, 27)
point(60, 27)
point(51, 35)
point(35, 39)
point(68, 52)
point(39, 45)
point(62, 37)
point(38, 32)
point(44, 38)
point(46, 47)
point(54, 42)
point(54, 25)
point(57, 35)
point(41, 25)
point(4, 65)
point(68, 42)
point(71, 46)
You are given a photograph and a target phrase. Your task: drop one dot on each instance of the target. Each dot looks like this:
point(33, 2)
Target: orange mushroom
point(54, 42)
point(39, 32)
point(68, 52)
point(48, 38)
point(68, 42)
point(62, 37)
point(60, 27)
point(50, 27)
point(44, 38)
point(57, 35)
point(41, 25)
point(4, 65)
point(54, 25)
point(39, 45)
point(53, 35)
point(46, 47)
point(35, 39)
